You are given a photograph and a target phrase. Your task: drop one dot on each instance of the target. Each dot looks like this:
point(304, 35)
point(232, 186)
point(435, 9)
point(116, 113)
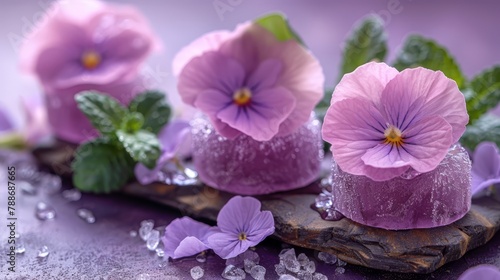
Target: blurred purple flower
point(185, 237)
point(248, 82)
point(174, 138)
point(485, 166)
point(5, 124)
point(381, 122)
point(86, 45)
point(241, 225)
point(480, 272)
point(37, 126)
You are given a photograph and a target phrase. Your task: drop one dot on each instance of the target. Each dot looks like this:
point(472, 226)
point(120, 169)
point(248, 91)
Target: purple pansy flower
point(381, 122)
point(5, 123)
point(248, 82)
point(174, 138)
point(485, 166)
point(86, 45)
point(241, 225)
point(185, 237)
point(480, 272)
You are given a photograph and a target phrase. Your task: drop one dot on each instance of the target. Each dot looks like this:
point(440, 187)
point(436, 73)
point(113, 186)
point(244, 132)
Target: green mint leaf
point(484, 93)
point(486, 128)
point(101, 167)
point(132, 122)
point(367, 42)
point(143, 146)
point(419, 51)
point(154, 108)
point(104, 112)
point(278, 25)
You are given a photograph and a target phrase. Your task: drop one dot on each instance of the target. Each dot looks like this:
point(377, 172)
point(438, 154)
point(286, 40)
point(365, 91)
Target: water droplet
point(43, 252)
point(26, 188)
point(160, 252)
point(153, 240)
point(20, 249)
point(202, 257)
point(133, 233)
point(72, 195)
point(197, 272)
point(44, 211)
point(86, 215)
point(49, 183)
point(145, 230)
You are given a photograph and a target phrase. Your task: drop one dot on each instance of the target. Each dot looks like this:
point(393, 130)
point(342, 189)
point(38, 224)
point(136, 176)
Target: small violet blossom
point(485, 166)
point(249, 82)
point(382, 122)
point(86, 45)
point(480, 272)
point(185, 237)
point(240, 225)
point(174, 138)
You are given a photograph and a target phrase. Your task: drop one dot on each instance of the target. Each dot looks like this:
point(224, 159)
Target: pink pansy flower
point(185, 237)
point(382, 122)
point(174, 139)
point(248, 82)
point(485, 167)
point(86, 45)
point(241, 225)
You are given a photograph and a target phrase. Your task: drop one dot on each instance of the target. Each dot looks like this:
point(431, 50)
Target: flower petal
point(177, 232)
point(478, 183)
point(227, 245)
point(189, 246)
point(173, 135)
point(386, 156)
point(484, 271)
point(442, 96)
point(265, 75)
point(486, 160)
point(366, 82)
point(261, 226)
point(212, 71)
point(236, 215)
point(261, 119)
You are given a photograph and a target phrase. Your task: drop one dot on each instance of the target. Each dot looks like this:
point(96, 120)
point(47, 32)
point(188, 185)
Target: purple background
point(468, 29)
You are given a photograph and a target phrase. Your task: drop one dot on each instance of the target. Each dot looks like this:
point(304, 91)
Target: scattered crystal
point(133, 233)
point(287, 253)
point(43, 252)
point(319, 276)
point(327, 258)
point(160, 252)
point(341, 262)
point(258, 272)
point(197, 272)
point(310, 267)
point(339, 270)
point(86, 215)
point(287, 277)
point(44, 211)
point(26, 188)
point(303, 259)
point(146, 228)
point(153, 240)
point(291, 265)
point(72, 195)
point(324, 200)
point(202, 257)
point(280, 269)
point(49, 183)
point(232, 272)
point(20, 248)
point(239, 261)
point(304, 275)
point(248, 264)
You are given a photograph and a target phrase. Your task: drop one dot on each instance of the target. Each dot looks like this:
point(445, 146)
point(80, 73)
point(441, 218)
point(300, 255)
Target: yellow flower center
point(242, 236)
point(393, 136)
point(242, 96)
point(90, 59)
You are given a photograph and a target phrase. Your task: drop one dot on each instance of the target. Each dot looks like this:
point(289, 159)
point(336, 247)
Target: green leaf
point(101, 167)
point(367, 42)
point(484, 94)
point(154, 108)
point(278, 25)
point(486, 128)
point(142, 146)
point(132, 122)
point(419, 51)
point(104, 112)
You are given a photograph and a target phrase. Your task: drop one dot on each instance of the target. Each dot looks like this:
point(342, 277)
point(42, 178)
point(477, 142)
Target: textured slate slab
point(415, 251)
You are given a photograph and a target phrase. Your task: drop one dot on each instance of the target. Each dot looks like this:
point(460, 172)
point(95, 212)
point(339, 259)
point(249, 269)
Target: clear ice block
point(246, 166)
point(413, 200)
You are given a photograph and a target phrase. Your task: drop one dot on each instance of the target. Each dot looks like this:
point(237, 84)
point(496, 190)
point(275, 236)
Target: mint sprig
point(128, 136)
